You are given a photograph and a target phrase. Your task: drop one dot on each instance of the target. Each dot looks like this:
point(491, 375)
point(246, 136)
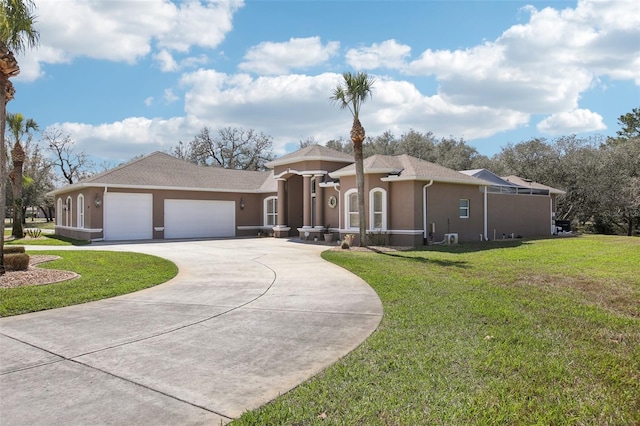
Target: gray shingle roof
point(160, 170)
point(489, 176)
point(406, 167)
point(527, 183)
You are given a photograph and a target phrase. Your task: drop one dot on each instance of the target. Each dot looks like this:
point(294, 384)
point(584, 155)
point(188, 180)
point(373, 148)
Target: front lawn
point(514, 332)
point(46, 240)
point(103, 274)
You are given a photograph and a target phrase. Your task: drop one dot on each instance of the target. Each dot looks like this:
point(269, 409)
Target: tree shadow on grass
point(424, 260)
point(475, 246)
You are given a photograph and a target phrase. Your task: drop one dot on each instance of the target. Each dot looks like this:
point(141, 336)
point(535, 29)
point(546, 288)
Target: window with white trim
point(352, 214)
point(378, 208)
point(80, 211)
point(67, 212)
point(59, 212)
point(271, 211)
point(464, 208)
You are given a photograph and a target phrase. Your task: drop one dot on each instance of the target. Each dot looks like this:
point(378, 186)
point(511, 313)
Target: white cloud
point(124, 31)
point(149, 101)
point(279, 58)
point(169, 96)
point(544, 65)
point(197, 24)
point(130, 137)
point(576, 121)
point(388, 54)
point(294, 107)
point(166, 61)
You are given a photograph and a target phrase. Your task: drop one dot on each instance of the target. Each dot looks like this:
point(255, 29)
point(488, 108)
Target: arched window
point(59, 212)
point(67, 212)
point(378, 209)
point(351, 214)
point(271, 211)
point(80, 211)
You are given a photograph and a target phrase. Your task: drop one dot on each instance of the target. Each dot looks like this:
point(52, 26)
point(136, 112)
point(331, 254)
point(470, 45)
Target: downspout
point(424, 209)
point(336, 186)
point(486, 218)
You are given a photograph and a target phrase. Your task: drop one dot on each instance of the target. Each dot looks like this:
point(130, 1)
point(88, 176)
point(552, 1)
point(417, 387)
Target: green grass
point(47, 240)
point(515, 332)
point(103, 274)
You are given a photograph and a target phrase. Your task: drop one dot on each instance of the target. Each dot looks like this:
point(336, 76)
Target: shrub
point(13, 249)
point(16, 262)
point(34, 232)
point(378, 238)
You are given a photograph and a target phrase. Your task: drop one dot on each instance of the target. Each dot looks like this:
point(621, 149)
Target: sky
point(125, 78)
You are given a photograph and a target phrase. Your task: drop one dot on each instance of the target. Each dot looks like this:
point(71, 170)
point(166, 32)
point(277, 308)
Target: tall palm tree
point(17, 32)
point(18, 127)
point(351, 94)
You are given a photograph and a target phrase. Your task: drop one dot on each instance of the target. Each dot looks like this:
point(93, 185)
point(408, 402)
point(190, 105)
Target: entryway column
point(281, 230)
point(306, 201)
point(319, 202)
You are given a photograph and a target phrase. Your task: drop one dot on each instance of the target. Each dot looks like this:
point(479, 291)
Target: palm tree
point(16, 33)
point(351, 95)
point(18, 127)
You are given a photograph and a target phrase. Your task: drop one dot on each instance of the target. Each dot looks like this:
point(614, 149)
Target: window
point(59, 212)
point(67, 212)
point(378, 208)
point(351, 206)
point(80, 211)
point(464, 209)
point(271, 211)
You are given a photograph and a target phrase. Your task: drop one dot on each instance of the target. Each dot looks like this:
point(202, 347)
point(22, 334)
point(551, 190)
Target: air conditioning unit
point(451, 238)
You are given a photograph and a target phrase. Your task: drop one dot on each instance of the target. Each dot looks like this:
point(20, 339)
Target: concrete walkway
point(244, 321)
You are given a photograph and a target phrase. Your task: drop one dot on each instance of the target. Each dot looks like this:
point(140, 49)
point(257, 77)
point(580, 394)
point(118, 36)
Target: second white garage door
point(199, 219)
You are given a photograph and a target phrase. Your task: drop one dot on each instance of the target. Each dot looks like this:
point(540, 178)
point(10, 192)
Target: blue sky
point(129, 77)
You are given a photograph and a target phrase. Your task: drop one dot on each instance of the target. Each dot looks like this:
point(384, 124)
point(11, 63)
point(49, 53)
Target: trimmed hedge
point(16, 262)
point(13, 249)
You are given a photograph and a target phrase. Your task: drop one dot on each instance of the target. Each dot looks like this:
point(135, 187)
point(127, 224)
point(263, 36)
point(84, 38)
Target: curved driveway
point(244, 321)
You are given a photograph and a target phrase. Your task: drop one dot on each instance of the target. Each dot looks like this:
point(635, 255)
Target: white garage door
point(128, 216)
point(199, 219)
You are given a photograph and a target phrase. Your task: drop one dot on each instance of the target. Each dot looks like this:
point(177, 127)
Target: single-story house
point(305, 194)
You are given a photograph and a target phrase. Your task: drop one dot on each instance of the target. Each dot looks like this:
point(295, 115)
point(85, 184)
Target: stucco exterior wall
point(251, 218)
point(331, 215)
point(443, 209)
point(66, 222)
point(523, 215)
point(315, 165)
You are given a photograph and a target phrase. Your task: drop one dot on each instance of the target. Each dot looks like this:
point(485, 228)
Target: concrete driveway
point(244, 321)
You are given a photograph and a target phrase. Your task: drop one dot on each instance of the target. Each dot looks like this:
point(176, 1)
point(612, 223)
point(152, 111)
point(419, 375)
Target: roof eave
point(376, 171)
point(435, 179)
point(275, 163)
point(157, 187)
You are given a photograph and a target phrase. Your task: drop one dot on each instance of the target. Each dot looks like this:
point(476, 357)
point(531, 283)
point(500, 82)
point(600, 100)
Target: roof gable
point(489, 176)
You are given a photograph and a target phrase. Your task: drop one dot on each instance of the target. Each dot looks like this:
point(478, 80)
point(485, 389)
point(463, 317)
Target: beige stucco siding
point(443, 209)
point(92, 214)
point(522, 215)
point(402, 203)
point(308, 166)
point(251, 217)
point(331, 215)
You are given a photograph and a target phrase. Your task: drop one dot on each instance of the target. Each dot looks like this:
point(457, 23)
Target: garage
point(128, 216)
point(199, 219)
